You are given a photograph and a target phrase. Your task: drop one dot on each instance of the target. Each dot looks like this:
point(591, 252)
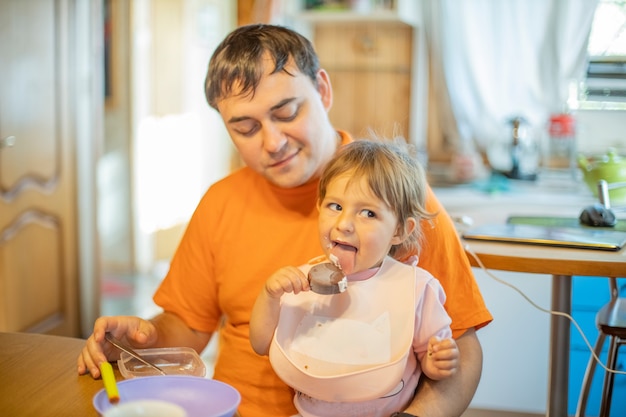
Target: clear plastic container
point(173, 361)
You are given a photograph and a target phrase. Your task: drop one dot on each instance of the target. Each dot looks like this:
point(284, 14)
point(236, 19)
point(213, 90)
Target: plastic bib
point(351, 346)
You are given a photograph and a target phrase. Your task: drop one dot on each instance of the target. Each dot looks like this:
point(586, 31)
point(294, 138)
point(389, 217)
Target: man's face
point(282, 131)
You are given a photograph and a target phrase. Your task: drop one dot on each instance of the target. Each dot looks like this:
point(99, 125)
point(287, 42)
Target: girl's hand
point(441, 359)
point(287, 279)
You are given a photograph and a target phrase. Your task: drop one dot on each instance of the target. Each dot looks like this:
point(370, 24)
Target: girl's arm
point(266, 309)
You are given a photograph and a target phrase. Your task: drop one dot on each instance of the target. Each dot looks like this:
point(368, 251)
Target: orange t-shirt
point(242, 231)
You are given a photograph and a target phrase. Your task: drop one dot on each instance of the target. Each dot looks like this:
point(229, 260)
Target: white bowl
point(146, 408)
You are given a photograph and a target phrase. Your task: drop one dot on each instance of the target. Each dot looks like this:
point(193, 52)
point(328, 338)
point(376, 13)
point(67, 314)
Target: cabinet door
point(370, 71)
point(377, 100)
point(38, 253)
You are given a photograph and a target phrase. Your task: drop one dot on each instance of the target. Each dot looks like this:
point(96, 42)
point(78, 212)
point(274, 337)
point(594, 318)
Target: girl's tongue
point(345, 256)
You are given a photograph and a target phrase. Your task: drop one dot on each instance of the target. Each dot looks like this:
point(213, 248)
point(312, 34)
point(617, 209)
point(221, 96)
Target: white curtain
point(495, 59)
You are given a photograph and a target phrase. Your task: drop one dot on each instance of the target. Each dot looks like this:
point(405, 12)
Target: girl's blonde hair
point(393, 174)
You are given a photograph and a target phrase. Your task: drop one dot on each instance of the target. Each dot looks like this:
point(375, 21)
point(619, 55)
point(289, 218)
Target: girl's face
point(356, 226)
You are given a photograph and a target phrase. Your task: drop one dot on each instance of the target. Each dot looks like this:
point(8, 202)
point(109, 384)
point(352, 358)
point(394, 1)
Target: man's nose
point(273, 139)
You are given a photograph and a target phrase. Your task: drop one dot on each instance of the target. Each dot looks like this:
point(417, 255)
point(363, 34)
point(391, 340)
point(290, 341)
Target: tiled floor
point(131, 294)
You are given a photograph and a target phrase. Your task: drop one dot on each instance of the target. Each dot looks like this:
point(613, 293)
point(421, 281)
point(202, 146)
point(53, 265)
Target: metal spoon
point(131, 352)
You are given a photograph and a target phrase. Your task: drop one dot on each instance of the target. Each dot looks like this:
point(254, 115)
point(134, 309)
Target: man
point(266, 83)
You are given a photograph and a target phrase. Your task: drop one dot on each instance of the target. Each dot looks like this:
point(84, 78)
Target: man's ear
point(409, 227)
point(325, 88)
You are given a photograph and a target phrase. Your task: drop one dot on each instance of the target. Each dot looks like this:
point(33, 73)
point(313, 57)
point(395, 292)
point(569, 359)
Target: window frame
point(605, 77)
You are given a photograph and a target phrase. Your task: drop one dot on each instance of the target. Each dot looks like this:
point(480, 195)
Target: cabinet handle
point(366, 44)
point(7, 142)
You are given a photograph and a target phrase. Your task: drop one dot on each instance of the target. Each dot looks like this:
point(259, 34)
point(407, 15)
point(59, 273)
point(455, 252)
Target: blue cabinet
point(589, 294)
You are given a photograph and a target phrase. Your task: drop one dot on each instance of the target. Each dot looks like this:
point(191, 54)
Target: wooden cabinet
point(370, 70)
point(376, 58)
point(39, 262)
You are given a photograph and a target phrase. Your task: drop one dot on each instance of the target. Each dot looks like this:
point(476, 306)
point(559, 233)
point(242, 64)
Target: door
point(39, 256)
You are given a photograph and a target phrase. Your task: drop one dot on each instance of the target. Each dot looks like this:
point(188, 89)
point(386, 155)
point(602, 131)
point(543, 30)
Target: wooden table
point(39, 377)
point(560, 263)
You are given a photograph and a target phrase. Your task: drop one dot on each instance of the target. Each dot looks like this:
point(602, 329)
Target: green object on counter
point(611, 168)
point(561, 222)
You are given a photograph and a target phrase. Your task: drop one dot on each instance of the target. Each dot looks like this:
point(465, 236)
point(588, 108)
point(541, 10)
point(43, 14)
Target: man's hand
point(164, 330)
point(134, 331)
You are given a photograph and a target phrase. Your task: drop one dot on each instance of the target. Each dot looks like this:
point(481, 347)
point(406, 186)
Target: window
point(606, 73)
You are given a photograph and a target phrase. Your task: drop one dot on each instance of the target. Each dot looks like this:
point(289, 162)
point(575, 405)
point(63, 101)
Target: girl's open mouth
point(346, 256)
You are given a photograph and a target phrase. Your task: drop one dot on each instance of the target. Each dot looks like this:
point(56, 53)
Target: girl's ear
point(409, 227)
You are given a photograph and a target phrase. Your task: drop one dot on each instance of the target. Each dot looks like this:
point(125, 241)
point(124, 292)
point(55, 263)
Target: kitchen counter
point(485, 199)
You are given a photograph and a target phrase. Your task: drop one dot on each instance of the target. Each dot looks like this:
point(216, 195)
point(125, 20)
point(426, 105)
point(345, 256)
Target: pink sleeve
point(431, 318)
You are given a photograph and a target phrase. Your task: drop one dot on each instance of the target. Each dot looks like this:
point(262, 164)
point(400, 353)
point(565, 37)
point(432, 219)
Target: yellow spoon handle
point(110, 386)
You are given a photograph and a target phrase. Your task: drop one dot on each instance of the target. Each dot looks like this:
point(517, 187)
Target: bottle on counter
point(516, 154)
point(561, 147)
point(524, 151)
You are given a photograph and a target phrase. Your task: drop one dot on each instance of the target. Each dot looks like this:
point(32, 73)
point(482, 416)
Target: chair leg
point(588, 378)
point(607, 388)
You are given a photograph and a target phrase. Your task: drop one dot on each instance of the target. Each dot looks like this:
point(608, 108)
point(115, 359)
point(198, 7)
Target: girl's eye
point(368, 213)
point(334, 206)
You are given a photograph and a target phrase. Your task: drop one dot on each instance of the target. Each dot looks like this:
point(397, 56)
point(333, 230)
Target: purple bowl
point(200, 397)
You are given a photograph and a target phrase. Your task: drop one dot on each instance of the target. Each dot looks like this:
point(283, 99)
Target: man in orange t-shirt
point(266, 83)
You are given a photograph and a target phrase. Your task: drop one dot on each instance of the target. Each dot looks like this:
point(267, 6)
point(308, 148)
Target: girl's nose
point(345, 223)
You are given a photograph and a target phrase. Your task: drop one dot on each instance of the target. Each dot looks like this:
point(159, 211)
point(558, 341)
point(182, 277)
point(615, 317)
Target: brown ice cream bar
point(327, 278)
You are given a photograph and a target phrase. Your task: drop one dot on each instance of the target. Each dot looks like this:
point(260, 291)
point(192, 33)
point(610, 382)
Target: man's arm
point(173, 331)
point(451, 396)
